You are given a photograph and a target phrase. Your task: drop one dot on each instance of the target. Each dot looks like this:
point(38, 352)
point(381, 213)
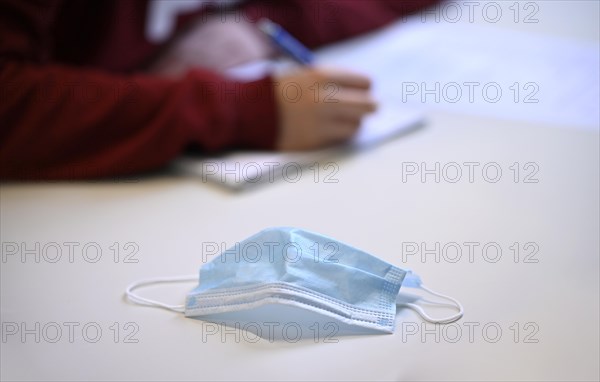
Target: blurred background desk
point(534, 318)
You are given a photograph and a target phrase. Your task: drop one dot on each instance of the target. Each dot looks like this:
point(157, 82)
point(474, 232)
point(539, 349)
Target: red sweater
point(72, 105)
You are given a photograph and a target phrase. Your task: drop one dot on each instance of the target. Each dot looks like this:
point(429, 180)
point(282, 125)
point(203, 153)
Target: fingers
point(347, 90)
point(359, 101)
point(343, 117)
point(328, 111)
point(349, 105)
point(345, 78)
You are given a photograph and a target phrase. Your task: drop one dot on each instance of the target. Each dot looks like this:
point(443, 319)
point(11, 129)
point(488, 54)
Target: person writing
point(93, 89)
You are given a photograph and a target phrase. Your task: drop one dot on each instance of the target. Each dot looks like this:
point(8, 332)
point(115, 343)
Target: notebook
point(241, 170)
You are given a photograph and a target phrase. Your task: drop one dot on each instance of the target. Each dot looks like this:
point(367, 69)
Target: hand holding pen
point(317, 107)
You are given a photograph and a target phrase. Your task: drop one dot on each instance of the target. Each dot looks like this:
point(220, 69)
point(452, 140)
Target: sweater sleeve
point(63, 122)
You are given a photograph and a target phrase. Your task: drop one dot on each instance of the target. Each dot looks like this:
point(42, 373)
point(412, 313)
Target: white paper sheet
point(562, 75)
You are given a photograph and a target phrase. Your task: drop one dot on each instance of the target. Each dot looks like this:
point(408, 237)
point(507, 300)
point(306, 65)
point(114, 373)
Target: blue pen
point(288, 44)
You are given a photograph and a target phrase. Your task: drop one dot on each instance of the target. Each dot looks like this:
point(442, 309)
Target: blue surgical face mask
point(295, 267)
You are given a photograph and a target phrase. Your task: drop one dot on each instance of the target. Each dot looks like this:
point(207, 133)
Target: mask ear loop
point(426, 317)
point(134, 297)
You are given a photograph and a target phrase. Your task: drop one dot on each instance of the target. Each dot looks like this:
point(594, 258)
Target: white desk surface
point(553, 302)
